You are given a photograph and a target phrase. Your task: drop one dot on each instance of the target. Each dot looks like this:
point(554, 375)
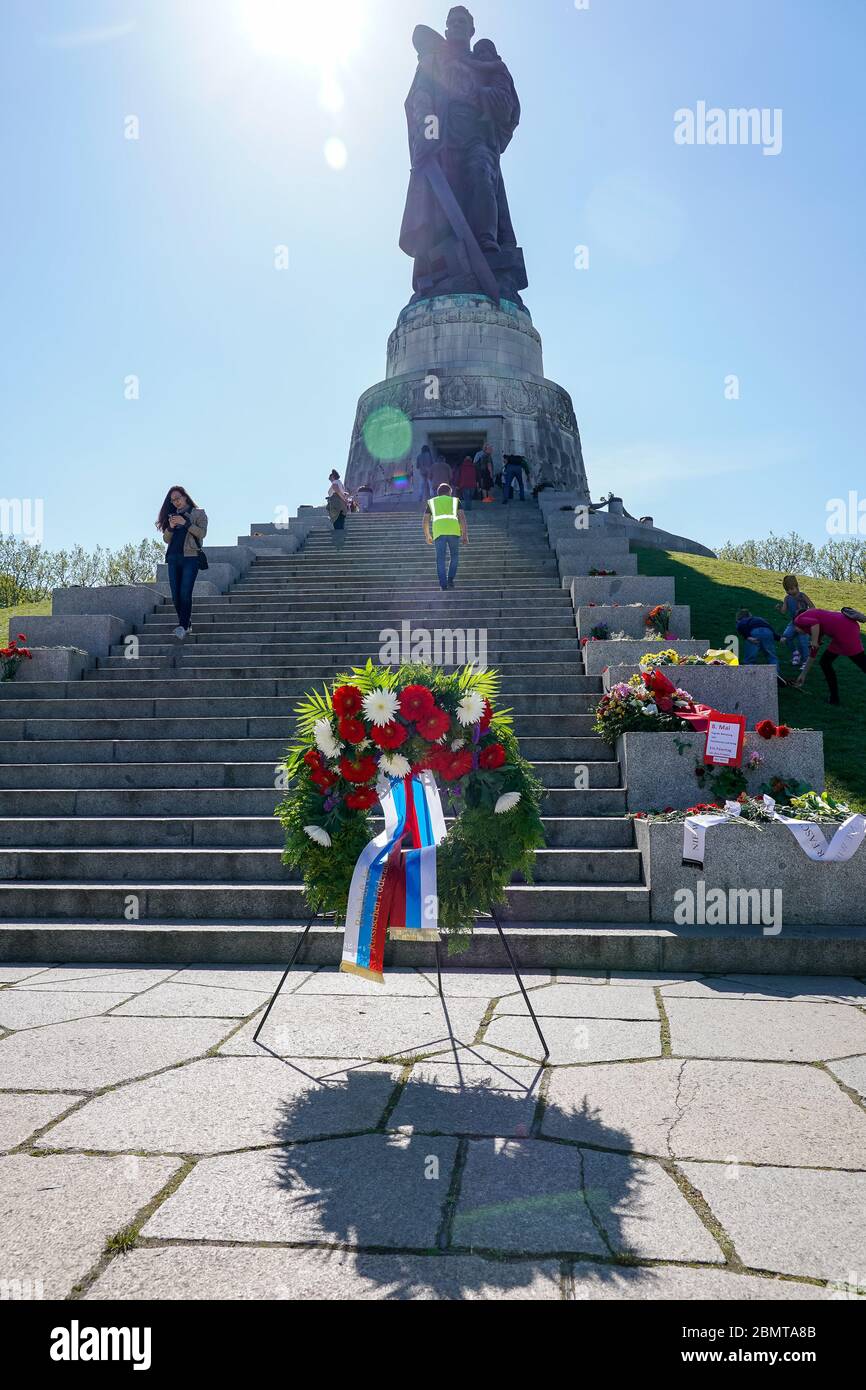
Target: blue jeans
point(798, 639)
point(450, 544)
point(182, 574)
point(762, 639)
point(512, 476)
point(467, 494)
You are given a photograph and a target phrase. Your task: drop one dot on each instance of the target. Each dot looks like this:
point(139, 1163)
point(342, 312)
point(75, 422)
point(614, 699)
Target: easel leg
point(276, 993)
point(513, 964)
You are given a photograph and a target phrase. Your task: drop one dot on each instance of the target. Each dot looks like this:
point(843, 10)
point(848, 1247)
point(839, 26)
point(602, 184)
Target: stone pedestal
point(462, 372)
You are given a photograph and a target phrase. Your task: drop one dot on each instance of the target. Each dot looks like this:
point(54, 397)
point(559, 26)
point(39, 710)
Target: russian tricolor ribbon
point(393, 889)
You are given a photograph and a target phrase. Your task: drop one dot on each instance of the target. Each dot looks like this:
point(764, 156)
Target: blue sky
point(155, 257)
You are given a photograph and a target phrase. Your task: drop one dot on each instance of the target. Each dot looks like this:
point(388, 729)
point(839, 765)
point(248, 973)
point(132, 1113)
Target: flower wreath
point(376, 729)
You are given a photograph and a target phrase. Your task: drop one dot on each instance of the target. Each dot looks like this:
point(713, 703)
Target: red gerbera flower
point(435, 725)
point(782, 731)
point(351, 730)
point(766, 728)
point(457, 765)
point(416, 702)
point(324, 780)
point(493, 756)
point(389, 736)
point(486, 716)
point(313, 758)
point(362, 799)
point(347, 700)
point(359, 771)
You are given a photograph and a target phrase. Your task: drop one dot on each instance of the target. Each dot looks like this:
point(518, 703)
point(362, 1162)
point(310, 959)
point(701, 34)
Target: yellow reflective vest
point(445, 520)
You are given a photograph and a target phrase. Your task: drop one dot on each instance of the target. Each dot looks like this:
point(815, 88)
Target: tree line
point(840, 559)
point(28, 572)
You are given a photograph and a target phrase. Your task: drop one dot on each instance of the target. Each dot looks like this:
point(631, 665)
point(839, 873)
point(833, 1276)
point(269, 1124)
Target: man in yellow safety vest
point(448, 522)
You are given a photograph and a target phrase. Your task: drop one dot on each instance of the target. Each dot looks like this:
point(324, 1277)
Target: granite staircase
point(136, 805)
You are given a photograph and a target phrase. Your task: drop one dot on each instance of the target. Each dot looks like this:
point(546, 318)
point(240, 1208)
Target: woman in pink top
point(843, 629)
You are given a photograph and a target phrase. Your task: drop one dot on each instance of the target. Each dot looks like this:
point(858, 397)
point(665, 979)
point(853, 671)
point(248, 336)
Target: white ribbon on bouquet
point(808, 834)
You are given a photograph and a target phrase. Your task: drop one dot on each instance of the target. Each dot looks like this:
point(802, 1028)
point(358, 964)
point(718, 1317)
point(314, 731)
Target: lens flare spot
point(388, 434)
point(336, 154)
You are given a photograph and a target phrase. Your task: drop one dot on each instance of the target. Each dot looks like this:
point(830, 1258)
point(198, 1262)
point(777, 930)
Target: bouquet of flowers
point(818, 806)
point(659, 619)
point(650, 661)
point(12, 655)
point(643, 705)
point(602, 574)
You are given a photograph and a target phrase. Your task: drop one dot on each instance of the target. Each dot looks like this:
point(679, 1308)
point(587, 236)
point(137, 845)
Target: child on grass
point(794, 603)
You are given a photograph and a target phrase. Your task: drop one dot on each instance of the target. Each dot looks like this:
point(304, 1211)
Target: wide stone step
point(206, 728)
point(76, 704)
point(601, 944)
point(235, 613)
point(230, 867)
point(191, 901)
point(178, 765)
point(225, 681)
point(190, 660)
point(132, 800)
point(251, 832)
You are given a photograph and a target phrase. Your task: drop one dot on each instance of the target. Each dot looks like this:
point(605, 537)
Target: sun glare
point(324, 33)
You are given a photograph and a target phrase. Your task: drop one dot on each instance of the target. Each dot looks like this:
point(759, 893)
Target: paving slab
point(323, 1026)
point(30, 1008)
point(777, 1030)
point(57, 1212)
point(654, 979)
point(671, 1284)
point(528, 1195)
point(228, 1103)
point(94, 1052)
point(746, 1112)
point(396, 983)
point(804, 988)
point(852, 1072)
point(587, 1001)
point(245, 1273)
point(573, 1041)
point(790, 1220)
point(370, 1190)
point(114, 979)
point(191, 1001)
point(21, 1115)
point(241, 977)
point(12, 974)
point(487, 984)
point(468, 1098)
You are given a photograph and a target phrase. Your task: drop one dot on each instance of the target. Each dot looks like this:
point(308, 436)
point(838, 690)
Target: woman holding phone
point(184, 527)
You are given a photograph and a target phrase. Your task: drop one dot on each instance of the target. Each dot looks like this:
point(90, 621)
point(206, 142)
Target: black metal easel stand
point(503, 938)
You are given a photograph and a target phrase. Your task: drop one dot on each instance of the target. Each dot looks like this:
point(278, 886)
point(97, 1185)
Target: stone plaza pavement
point(691, 1137)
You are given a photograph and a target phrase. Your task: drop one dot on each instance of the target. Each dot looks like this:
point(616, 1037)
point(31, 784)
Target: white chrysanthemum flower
point(470, 709)
point(380, 706)
point(325, 740)
point(320, 836)
point(458, 744)
point(395, 765)
point(506, 802)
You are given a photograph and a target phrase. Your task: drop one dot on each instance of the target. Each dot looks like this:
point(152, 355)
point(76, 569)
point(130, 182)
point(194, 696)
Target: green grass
point(715, 589)
point(35, 610)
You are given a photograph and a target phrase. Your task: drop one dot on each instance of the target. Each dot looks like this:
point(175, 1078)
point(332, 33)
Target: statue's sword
point(461, 228)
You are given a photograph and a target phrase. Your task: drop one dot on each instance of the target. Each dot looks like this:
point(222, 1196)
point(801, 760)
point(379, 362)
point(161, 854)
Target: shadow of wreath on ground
point(457, 1166)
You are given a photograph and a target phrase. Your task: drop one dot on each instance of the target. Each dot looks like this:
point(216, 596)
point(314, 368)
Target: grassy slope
point(715, 589)
point(40, 609)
